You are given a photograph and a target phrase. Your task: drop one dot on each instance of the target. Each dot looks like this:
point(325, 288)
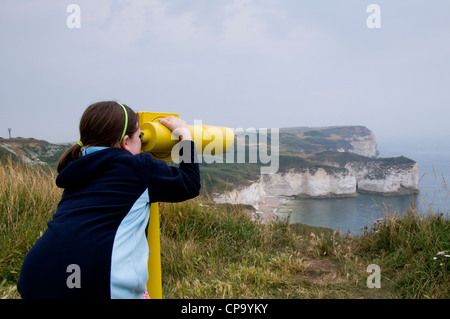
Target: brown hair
point(101, 124)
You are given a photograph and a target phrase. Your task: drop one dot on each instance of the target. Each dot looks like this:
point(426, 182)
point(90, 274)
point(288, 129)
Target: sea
point(355, 214)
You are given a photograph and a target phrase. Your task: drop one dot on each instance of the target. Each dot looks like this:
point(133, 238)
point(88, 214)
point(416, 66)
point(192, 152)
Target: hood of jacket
point(86, 168)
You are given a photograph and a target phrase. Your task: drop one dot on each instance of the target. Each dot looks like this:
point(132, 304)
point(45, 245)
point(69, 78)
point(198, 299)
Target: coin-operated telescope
point(159, 141)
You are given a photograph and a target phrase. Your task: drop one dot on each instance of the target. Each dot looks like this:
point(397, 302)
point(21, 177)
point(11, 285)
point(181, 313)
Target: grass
point(220, 251)
point(415, 251)
point(28, 198)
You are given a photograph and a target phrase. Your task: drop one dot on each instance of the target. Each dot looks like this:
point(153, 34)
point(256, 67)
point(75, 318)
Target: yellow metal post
point(158, 141)
point(154, 283)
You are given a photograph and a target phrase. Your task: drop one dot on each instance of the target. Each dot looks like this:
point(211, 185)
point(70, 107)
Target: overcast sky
point(241, 63)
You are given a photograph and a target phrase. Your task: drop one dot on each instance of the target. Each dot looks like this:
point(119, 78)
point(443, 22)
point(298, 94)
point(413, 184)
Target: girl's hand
point(177, 126)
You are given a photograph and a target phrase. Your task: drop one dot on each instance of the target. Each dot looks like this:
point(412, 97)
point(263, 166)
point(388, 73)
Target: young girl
point(99, 228)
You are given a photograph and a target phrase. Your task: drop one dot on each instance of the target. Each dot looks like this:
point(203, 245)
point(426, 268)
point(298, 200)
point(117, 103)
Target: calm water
point(351, 214)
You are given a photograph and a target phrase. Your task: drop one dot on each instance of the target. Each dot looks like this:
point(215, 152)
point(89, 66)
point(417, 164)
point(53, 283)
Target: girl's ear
point(125, 143)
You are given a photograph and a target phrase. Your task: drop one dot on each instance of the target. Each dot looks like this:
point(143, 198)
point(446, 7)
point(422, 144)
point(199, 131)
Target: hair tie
point(126, 122)
point(80, 143)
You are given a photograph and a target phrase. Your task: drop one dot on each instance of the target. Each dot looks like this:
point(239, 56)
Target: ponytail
point(70, 155)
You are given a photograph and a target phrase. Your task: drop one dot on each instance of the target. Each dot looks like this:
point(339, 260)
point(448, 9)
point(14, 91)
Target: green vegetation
point(219, 177)
point(414, 250)
point(342, 158)
point(309, 140)
point(32, 150)
point(220, 251)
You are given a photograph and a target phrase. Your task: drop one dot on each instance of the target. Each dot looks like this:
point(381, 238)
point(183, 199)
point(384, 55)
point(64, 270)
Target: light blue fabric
point(86, 150)
point(129, 272)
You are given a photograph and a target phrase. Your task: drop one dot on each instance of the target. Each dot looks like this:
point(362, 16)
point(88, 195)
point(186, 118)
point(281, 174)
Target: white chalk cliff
point(364, 145)
point(282, 186)
point(374, 176)
point(378, 177)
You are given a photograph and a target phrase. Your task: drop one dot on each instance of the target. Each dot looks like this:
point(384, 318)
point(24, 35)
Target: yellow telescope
point(159, 141)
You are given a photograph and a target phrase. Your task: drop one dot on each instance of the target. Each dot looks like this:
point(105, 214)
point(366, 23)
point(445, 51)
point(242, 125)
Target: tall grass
point(218, 251)
point(28, 198)
point(413, 251)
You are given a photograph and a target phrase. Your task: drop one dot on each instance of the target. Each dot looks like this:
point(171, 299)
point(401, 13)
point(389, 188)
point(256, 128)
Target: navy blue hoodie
point(100, 225)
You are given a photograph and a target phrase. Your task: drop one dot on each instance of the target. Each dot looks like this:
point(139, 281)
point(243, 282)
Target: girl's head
point(103, 124)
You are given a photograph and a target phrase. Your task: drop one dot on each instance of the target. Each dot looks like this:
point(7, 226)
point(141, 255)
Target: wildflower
point(441, 253)
point(434, 258)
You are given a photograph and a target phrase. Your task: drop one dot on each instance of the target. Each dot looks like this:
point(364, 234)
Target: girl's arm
point(175, 184)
